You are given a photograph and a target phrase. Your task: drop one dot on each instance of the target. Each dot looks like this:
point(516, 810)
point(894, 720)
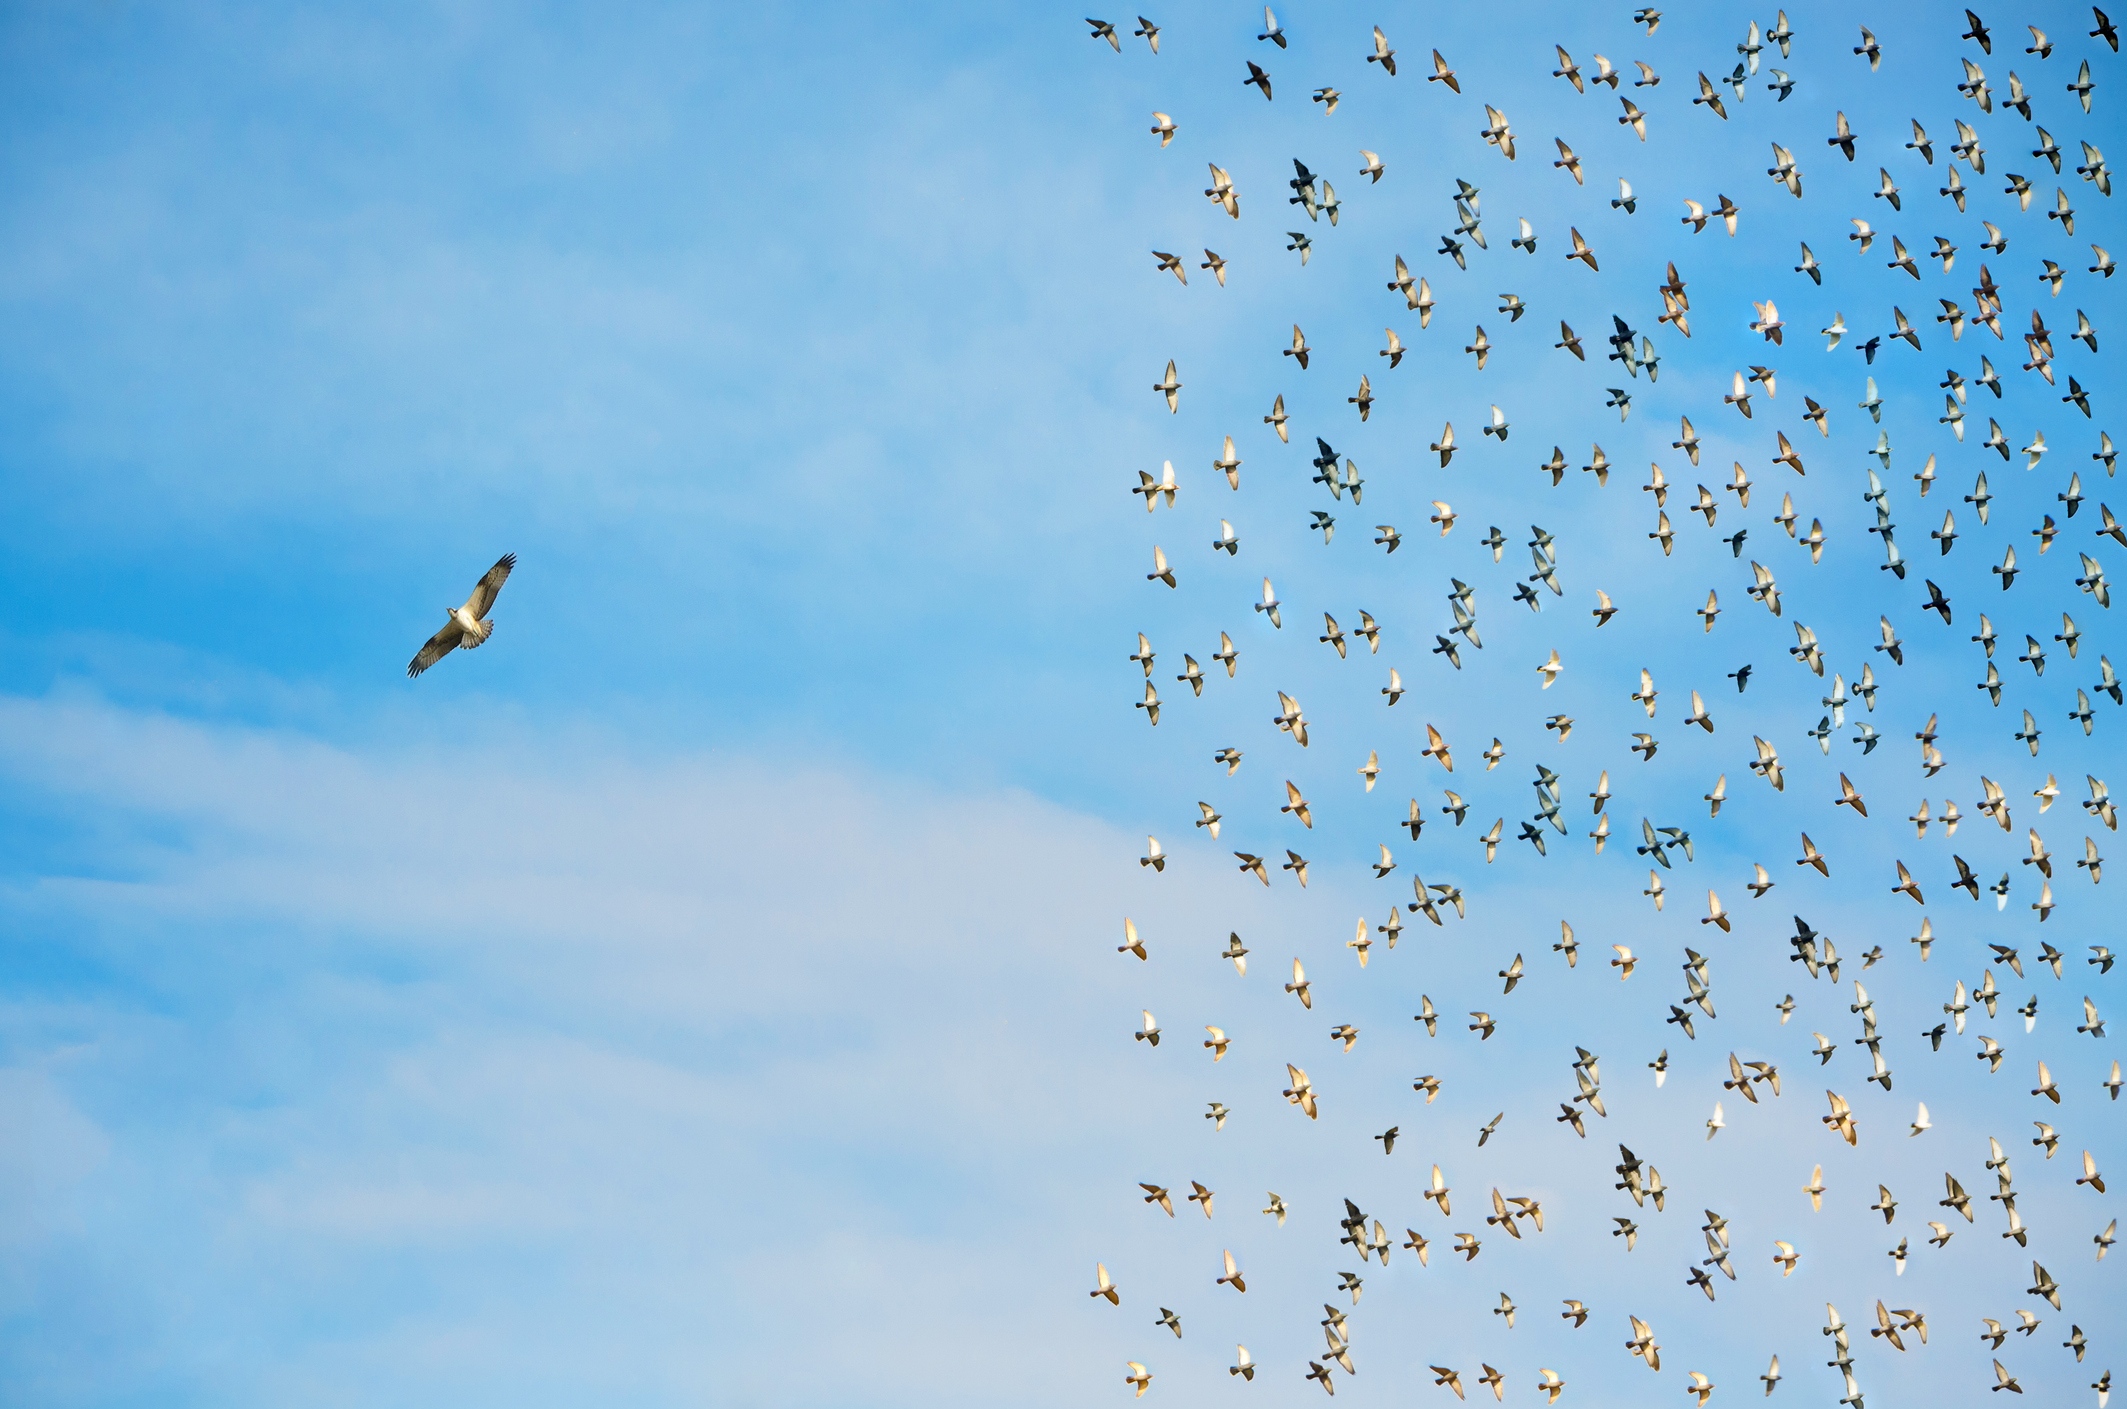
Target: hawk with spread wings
point(468, 626)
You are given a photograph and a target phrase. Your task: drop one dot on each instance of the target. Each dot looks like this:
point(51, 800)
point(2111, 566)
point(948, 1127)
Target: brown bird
point(467, 627)
point(1907, 886)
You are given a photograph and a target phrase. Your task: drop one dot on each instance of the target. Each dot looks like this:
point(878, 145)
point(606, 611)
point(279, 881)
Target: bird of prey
point(467, 626)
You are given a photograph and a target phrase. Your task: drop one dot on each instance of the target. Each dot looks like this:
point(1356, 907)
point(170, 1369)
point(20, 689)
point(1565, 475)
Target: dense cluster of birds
point(1914, 615)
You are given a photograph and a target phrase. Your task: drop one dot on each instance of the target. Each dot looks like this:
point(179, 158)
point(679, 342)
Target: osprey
point(468, 625)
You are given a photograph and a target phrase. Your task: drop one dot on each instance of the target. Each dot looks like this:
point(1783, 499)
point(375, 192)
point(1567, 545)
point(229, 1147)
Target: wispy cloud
point(350, 1022)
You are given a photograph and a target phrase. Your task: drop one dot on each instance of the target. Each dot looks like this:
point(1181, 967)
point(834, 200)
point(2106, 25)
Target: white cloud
point(753, 1065)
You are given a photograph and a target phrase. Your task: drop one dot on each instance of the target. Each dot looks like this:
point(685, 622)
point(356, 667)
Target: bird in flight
point(468, 626)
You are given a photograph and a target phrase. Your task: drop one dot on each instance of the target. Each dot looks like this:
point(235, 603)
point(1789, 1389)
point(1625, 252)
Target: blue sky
point(706, 992)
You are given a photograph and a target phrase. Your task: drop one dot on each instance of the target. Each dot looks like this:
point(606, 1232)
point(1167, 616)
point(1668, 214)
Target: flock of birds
point(1849, 702)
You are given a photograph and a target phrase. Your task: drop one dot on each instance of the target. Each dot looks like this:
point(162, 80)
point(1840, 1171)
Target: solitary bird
point(468, 626)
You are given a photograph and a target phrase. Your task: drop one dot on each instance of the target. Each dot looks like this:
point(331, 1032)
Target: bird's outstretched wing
point(445, 641)
point(489, 587)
